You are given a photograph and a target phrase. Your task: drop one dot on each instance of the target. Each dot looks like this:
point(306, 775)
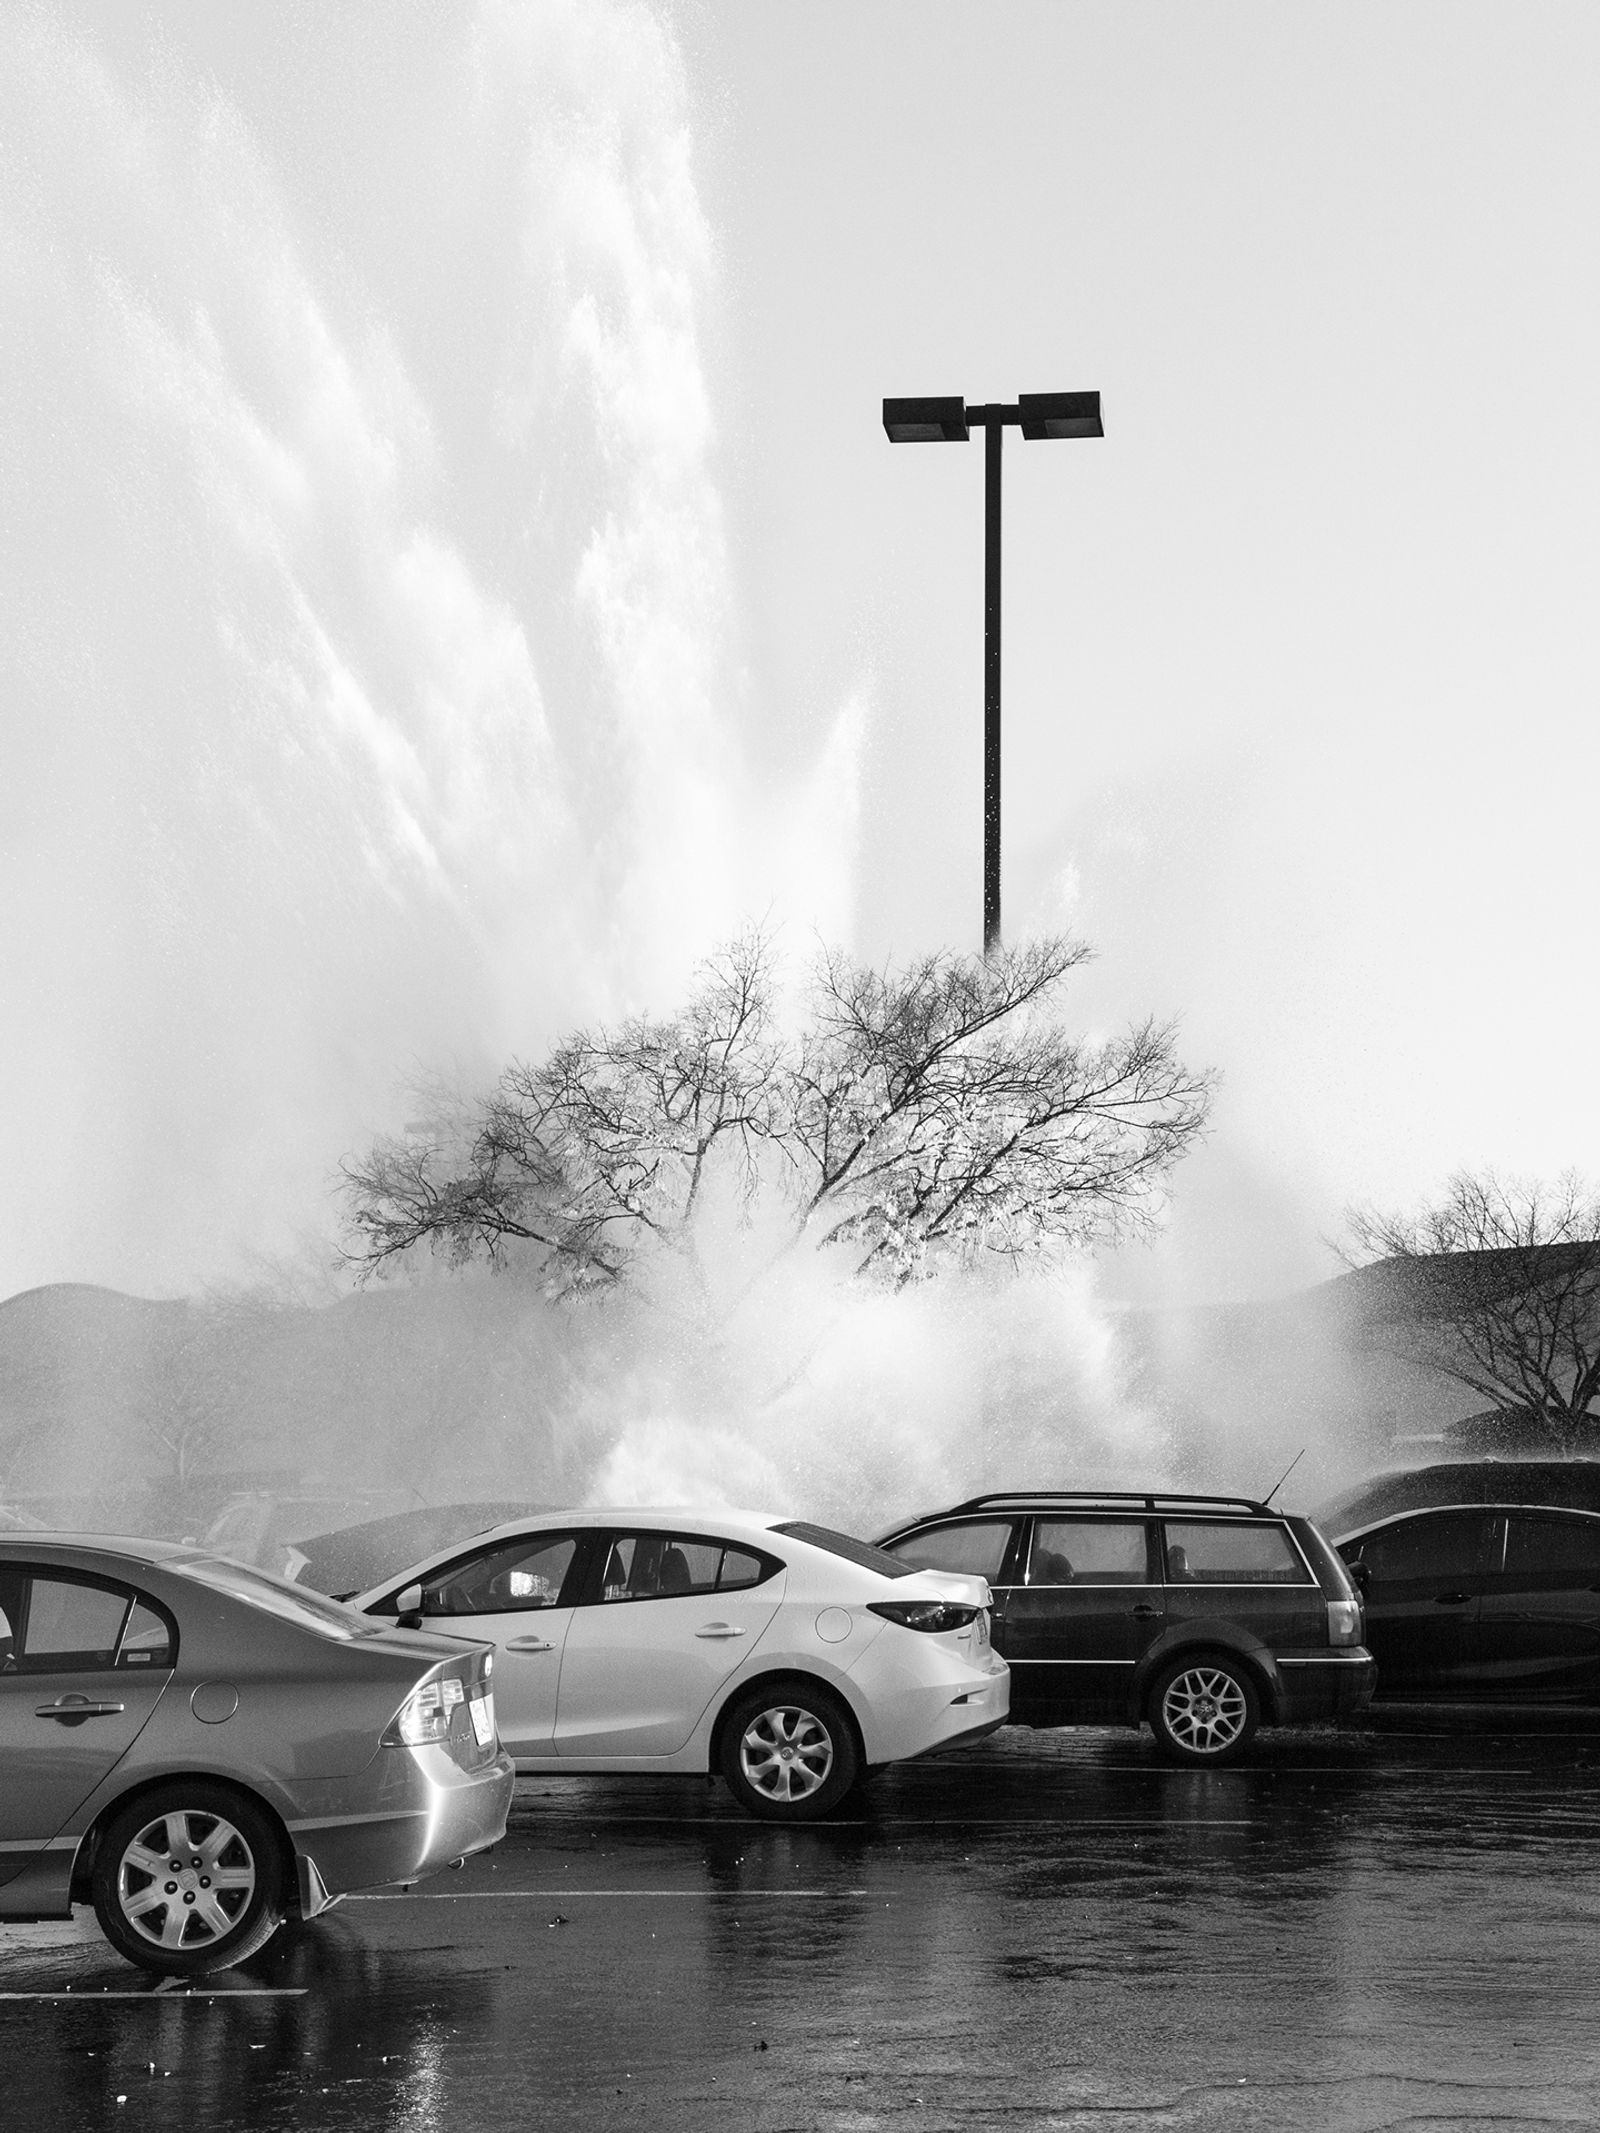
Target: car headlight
point(930, 1616)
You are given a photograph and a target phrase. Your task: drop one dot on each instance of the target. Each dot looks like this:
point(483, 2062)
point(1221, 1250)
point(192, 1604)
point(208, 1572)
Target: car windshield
point(291, 1603)
point(853, 1551)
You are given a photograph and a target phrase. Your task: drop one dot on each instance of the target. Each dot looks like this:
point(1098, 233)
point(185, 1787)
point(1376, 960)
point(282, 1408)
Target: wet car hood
point(355, 1558)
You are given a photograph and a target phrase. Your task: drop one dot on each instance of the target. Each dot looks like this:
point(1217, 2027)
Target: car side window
point(976, 1547)
point(1434, 1544)
point(1220, 1551)
point(673, 1566)
point(70, 1624)
point(1541, 1546)
point(508, 1578)
point(1089, 1551)
point(739, 1569)
point(149, 1638)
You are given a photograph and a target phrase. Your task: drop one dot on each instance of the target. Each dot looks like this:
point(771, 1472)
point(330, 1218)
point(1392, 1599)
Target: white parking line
point(914, 1824)
point(157, 1992)
point(556, 1895)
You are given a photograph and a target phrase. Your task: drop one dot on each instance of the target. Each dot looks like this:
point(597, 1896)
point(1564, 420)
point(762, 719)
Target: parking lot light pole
point(951, 421)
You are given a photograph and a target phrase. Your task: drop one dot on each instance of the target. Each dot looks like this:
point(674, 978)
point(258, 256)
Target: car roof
point(716, 1521)
point(1161, 1500)
point(675, 1518)
point(672, 1516)
point(1346, 1534)
point(134, 1547)
point(1555, 1484)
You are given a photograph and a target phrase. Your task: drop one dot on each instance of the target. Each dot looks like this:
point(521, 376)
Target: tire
point(789, 1751)
point(189, 1878)
point(1204, 1709)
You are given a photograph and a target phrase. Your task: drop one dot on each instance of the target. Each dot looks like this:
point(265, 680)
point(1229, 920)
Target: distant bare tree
point(1500, 1289)
point(908, 1119)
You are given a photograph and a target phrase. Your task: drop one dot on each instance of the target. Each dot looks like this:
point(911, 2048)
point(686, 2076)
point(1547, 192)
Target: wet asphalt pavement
point(1352, 1931)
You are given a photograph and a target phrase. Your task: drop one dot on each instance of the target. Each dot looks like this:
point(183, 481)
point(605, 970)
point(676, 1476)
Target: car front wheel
point(1204, 1710)
point(789, 1751)
point(188, 1879)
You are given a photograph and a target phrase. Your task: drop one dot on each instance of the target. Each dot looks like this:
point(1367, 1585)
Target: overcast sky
point(454, 574)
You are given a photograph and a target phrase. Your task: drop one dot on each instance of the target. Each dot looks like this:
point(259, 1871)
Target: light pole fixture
point(951, 421)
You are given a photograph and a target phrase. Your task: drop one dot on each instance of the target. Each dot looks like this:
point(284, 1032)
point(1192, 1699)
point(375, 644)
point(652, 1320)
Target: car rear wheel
point(188, 1879)
point(789, 1751)
point(1204, 1709)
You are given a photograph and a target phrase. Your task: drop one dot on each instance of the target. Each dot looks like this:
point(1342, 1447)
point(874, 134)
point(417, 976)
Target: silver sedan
point(201, 1750)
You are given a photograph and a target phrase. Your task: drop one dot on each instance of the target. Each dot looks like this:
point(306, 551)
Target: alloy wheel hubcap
point(1204, 1710)
point(185, 1880)
point(786, 1753)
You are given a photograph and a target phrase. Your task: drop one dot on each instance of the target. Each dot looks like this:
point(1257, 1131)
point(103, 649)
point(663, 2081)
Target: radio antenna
point(1283, 1477)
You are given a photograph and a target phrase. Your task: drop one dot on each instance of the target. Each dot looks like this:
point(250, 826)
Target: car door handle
point(1142, 1611)
point(529, 1644)
point(68, 1708)
point(719, 1629)
point(1451, 1599)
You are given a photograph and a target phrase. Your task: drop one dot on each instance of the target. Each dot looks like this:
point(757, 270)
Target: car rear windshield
point(853, 1551)
point(276, 1596)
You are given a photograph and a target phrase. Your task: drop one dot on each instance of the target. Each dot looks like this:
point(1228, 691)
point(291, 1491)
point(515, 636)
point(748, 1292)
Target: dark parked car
point(1204, 1615)
point(200, 1749)
point(1488, 1593)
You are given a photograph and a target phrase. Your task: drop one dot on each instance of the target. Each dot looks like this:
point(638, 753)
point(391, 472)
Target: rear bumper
point(434, 1812)
point(903, 1715)
point(1326, 1687)
point(962, 1740)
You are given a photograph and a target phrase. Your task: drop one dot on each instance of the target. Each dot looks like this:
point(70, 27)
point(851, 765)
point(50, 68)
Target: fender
point(1234, 1638)
point(81, 1857)
point(830, 1678)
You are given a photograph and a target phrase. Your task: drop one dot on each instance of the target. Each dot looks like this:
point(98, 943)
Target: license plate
point(483, 1719)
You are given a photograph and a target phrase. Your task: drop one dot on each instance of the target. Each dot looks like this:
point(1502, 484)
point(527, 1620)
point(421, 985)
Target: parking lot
point(1353, 1931)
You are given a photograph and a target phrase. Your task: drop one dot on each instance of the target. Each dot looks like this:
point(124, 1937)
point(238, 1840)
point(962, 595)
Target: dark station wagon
point(1204, 1616)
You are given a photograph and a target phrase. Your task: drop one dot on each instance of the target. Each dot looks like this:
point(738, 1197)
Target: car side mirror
point(1360, 1577)
point(408, 1607)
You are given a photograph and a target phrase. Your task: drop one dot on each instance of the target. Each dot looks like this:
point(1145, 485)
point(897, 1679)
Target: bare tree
point(1499, 1288)
point(908, 1119)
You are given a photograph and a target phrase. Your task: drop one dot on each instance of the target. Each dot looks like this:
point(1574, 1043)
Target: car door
point(1539, 1616)
point(667, 1617)
point(83, 1663)
point(1425, 1577)
point(518, 1596)
point(1086, 1603)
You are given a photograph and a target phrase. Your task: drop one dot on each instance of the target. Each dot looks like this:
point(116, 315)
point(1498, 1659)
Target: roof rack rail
point(1150, 1498)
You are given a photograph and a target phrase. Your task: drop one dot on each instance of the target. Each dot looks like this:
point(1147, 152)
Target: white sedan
point(790, 1658)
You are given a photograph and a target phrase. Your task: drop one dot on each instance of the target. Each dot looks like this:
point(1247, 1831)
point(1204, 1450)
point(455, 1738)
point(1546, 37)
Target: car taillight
point(928, 1615)
point(426, 1713)
point(1344, 1621)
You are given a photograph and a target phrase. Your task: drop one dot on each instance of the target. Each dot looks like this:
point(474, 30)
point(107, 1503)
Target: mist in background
point(454, 578)
point(372, 704)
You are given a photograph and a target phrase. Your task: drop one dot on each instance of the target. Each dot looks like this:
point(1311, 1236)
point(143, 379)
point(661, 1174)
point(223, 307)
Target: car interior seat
point(673, 1575)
